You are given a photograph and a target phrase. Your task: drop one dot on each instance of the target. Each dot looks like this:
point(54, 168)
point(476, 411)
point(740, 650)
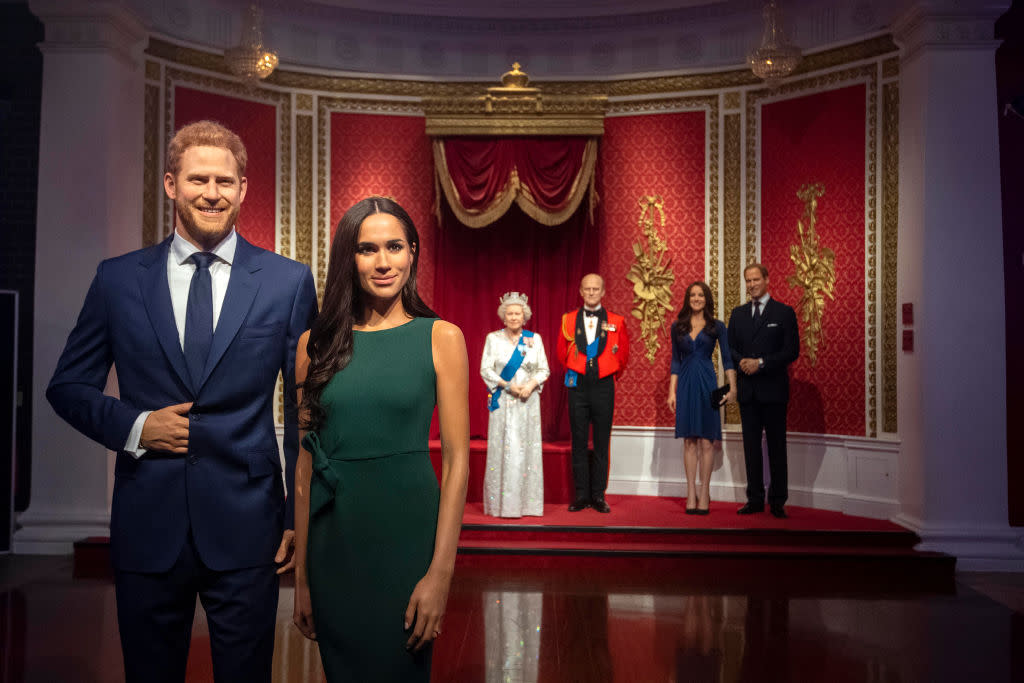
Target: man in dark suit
point(594, 347)
point(198, 328)
point(764, 339)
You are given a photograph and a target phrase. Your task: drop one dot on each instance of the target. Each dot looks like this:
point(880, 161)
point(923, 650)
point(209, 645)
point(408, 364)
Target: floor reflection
point(512, 634)
point(567, 625)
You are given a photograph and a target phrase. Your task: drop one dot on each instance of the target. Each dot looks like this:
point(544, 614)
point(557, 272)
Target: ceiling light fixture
point(776, 58)
point(250, 60)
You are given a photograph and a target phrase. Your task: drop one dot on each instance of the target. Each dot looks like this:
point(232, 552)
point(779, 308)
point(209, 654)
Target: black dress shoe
point(600, 505)
point(579, 504)
point(779, 511)
point(750, 509)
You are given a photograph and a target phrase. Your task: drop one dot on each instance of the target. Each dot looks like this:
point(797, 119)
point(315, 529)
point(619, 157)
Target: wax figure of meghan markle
point(514, 367)
point(594, 347)
point(375, 536)
point(694, 335)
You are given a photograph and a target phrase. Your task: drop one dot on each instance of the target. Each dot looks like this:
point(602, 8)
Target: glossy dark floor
point(582, 624)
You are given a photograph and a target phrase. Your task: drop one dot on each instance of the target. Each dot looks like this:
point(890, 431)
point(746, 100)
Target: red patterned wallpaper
point(641, 155)
point(256, 124)
point(386, 155)
point(820, 138)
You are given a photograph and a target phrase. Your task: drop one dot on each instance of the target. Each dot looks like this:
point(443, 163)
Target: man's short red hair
point(205, 134)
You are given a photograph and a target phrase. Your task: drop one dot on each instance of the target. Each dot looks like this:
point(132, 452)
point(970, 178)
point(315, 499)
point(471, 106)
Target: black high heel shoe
point(692, 510)
point(703, 511)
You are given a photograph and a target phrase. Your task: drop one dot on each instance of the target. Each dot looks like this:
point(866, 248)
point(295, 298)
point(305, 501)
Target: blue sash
point(572, 378)
point(510, 369)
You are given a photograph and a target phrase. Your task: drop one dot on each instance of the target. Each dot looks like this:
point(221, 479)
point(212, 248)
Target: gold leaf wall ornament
point(815, 270)
point(651, 275)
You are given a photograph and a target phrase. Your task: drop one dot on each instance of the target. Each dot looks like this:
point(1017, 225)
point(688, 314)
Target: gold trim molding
point(732, 227)
point(152, 187)
point(515, 109)
point(304, 182)
point(732, 78)
point(890, 249)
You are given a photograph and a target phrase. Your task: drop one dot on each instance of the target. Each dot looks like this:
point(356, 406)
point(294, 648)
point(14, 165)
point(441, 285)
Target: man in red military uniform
point(593, 346)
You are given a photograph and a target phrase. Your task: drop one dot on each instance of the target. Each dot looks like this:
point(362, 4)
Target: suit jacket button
point(196, 417)
point(193, 459)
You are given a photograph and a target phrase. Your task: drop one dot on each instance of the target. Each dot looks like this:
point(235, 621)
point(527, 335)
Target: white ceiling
point(553, 39)
point(535, 9)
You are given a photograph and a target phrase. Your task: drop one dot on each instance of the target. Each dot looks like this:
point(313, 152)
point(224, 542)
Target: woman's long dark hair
point(330, 339)
point(681, 327)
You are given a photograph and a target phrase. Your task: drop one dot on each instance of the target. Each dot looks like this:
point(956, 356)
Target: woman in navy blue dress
point(694, 335)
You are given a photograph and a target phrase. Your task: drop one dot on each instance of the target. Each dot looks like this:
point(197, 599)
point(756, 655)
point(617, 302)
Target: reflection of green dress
point(373, 505)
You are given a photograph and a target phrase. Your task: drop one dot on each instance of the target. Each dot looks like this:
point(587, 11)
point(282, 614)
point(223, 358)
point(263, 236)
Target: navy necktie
point(757, 310)
point(199, 317)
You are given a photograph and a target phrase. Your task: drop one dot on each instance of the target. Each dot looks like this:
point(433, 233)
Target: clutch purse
point(717, 395)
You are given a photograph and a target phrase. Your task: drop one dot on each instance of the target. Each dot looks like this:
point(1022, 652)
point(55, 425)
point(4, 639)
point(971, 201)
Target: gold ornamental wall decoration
point(651, 275)
point(815, 270)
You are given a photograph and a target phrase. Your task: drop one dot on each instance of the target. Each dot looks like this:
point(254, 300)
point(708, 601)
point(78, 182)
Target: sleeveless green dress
point(373, 505)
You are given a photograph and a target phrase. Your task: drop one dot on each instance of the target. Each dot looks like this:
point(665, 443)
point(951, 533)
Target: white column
point(90, 208)
point(952, 421)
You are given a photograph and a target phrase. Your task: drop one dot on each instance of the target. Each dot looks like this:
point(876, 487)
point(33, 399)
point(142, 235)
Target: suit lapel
point(156, 297)
point(242, 288)
point(581, 332)
point(602, 334)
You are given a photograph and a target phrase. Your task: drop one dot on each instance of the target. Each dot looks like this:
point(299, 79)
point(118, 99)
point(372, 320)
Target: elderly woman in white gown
point(514, 368)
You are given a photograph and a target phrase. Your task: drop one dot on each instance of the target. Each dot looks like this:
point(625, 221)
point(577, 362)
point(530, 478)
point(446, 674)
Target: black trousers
point(591, 402)
point(769, 418)
point(155, 612)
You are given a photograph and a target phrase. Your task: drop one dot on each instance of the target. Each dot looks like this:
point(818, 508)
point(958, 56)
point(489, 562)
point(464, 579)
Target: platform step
point(811, 570)
point(613, 536)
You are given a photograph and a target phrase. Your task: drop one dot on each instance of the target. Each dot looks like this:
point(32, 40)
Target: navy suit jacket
point(227, 490)
point(776, 339)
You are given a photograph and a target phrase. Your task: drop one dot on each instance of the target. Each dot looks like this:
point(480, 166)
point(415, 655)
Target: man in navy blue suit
point(198, 328)
point(764, 339)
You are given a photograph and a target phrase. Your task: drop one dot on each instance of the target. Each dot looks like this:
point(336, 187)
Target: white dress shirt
point(764, 302)
point(180, 269)
point(590, 324)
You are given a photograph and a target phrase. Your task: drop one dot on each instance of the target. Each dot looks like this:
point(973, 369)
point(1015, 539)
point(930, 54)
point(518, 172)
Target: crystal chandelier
point(775, 58)
point(250, 60)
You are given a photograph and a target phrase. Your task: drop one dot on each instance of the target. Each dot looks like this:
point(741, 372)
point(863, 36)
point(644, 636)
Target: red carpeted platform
point(811, 549)
point(664, 512)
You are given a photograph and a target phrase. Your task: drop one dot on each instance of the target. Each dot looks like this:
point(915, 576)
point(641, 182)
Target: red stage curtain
point(547, 177)
point(474, 267)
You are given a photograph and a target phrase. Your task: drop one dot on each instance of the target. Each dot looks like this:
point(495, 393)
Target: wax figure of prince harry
point(197, 328)
point(594, 347)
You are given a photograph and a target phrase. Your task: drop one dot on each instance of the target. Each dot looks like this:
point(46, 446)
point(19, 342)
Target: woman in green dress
point(375, 535)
